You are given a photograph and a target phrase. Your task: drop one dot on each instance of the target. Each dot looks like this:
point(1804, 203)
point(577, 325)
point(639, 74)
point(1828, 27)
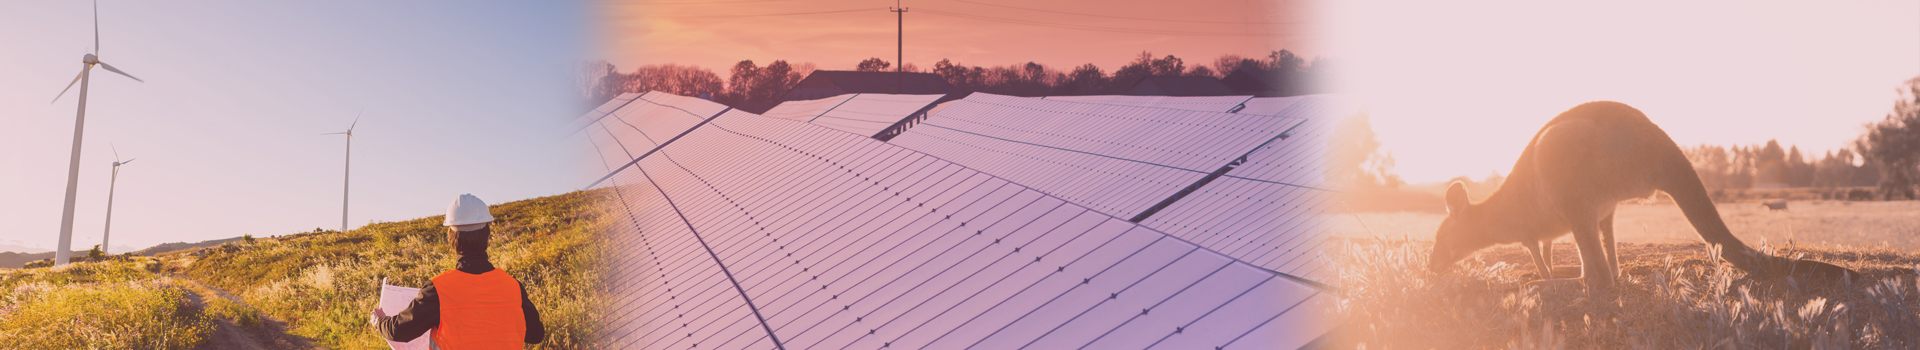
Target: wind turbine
point(62, 252)
point(104, 248)
point(345, 179)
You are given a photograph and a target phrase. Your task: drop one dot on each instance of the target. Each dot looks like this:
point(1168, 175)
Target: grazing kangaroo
point(1569, 179)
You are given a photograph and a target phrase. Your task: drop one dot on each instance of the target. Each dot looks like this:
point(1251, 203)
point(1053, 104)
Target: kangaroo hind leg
point(1606, 241)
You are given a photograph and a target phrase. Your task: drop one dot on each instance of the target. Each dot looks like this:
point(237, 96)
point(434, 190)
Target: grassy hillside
point(323, 284)
point(121, 304)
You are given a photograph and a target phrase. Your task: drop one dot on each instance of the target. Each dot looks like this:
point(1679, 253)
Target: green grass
point(323, 284)
point(97, 305)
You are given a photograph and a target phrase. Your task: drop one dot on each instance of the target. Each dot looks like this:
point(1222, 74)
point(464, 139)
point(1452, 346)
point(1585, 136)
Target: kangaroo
point(1571, 176)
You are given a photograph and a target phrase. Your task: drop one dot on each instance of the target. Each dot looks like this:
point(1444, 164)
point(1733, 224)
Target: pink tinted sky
point(717, 34)
point(1457, 88)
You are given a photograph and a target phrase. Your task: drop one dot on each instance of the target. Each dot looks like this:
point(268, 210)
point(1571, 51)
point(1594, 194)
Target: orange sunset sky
point(838, 34)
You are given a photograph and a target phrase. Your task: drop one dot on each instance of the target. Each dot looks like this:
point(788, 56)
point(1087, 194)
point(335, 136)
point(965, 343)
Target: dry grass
point(1893, 225)
point(1672, 294)
point(97, 305)
point(323, 285)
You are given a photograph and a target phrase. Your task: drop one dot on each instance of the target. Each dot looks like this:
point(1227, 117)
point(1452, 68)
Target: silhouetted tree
point(1354, 160)
point(873, 65)
point(1086, 79)
point(1201, 71)
point(1893, 144)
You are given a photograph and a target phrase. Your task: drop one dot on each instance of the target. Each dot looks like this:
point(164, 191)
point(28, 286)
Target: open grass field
point(98, 305)
point(1672, 294)
point(305, 290)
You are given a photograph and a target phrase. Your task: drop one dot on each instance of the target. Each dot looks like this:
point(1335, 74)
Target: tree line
point(1885, 157)
point(753, 87)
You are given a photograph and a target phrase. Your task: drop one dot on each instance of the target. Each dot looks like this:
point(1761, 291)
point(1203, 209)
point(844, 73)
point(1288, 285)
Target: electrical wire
point(699, 2)
point(768, 14)
point(1085, 27)
point(1106, 16)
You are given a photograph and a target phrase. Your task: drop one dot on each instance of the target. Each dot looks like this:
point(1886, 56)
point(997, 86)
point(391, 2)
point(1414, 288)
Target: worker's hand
point(374, 319)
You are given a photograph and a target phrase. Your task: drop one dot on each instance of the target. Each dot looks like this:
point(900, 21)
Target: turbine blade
point(128, 161)
point(356, 122)
point(116, 152)
point(63, 92)
point(109, 68)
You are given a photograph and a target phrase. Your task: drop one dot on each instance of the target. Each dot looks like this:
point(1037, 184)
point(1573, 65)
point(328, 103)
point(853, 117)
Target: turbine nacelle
point(90, 59)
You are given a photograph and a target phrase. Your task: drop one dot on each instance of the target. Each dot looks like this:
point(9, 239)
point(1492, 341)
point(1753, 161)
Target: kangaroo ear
point(1456, 197)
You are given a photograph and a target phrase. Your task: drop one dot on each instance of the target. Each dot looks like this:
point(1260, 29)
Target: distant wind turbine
point(62, 252)
point(346, 179)
point(110, 184)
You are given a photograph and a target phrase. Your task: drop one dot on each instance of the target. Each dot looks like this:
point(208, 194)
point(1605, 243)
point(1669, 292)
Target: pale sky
point(717, 34)
point(459, 97)
point(1457, 88)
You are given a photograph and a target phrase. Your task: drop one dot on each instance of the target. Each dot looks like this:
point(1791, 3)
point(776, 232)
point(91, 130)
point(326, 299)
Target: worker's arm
point(536, 331)
point(420, 316)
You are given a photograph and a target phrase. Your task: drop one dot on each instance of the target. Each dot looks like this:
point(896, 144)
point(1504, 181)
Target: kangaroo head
point(1461, 234)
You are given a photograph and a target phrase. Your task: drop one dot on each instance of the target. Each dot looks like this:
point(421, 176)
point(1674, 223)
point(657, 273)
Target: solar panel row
point(1266, 210)
point(1193, 103)
point(731, 227)
point(1121, 160)
point(861, 114)
point(1245, 184)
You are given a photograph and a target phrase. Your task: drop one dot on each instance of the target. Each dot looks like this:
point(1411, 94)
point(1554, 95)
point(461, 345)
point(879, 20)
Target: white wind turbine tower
point(345, 179)
point(110, 184)
point(62, 252)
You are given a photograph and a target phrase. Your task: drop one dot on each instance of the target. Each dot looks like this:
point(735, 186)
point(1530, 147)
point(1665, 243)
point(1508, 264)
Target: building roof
point(843, 82)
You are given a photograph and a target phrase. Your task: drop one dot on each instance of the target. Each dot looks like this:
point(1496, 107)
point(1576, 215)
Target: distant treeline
point(754, 87)
point(1767, 166)
point(1887, 157)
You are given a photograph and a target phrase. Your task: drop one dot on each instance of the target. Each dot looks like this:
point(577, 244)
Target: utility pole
point(900, 51)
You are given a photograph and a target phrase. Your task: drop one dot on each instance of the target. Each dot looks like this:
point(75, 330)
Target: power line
point(701, 2)
point(769, 14)
point(1106, 16)
point(1086, 27)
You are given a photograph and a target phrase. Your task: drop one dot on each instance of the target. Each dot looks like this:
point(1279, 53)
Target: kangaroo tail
point(1683, 184)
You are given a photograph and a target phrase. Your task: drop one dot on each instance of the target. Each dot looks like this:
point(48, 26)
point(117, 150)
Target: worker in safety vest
point(473, 306)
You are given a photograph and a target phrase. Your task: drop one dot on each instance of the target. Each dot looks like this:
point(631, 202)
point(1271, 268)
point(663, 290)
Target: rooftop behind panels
point(757, 233)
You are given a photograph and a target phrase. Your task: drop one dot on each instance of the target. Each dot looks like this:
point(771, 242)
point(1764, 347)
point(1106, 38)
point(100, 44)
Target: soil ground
point(229, 334)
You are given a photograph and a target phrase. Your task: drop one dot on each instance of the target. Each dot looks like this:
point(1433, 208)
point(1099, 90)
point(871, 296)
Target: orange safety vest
point(479, 311)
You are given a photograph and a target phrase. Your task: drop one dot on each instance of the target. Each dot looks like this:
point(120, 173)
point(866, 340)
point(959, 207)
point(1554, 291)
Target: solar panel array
point(1274, 105)
point(804, 110)
point(749, 232)
point(1192, 103)
point(862, 114)
point(1118, 159)
point(1227, 181)
point(1266, 210)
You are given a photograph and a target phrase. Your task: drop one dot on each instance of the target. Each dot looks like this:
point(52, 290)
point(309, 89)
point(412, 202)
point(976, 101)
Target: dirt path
point(269, 333)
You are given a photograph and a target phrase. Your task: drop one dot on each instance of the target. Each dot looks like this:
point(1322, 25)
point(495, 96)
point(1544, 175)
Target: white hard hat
point(467, 210)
